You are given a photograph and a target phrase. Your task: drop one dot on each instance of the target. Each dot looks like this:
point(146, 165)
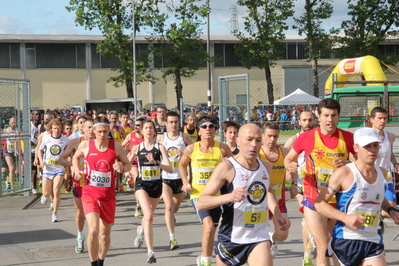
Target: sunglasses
point(137, 125)
point(209, 125)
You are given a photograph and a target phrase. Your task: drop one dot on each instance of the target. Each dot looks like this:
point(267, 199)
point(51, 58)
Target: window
point(9, 55)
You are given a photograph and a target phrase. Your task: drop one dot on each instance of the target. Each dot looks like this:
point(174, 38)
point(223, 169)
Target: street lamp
point(126, 3)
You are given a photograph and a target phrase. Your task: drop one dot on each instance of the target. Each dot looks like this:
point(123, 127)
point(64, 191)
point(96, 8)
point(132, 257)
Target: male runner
point(160, 122)
point(326, 149)
point(359, 188)
point(274, 154)
point(79, 133)
point(124, 117)
point(379, 119)
point(98, 195)
point(205, 155)
point(10, 150)
point(78, 186)
point(190, 128)
point(174, 142)
point(35, 122)
point(119, 135)
point(246, 196)
point(306, 122)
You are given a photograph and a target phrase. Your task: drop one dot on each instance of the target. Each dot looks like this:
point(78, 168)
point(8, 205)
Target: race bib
point(204, 173)
point(52, 162)
point(372, 218)
point(10, 146)
point(149, 173)
point(255, 216)
point(323, 177)
point(175, 164)
point(277, 191)
point(100, 179)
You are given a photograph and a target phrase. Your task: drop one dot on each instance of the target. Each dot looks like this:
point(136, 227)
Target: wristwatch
point(392, 208)
point(294, 183)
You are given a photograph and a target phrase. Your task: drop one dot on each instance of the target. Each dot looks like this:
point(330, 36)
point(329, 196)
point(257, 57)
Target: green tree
point(179, 44)
point(318, 41)
point(371, 22)
point(265, 24)
point(113, 19)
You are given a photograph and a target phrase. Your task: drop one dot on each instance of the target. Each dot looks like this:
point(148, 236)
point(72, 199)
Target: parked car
point(150, 106)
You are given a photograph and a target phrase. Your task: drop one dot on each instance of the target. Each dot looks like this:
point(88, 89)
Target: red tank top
point(100, 175)
point(134, 140)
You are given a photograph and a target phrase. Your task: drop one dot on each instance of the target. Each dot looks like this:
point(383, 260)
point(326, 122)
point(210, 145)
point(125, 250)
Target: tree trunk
point(129, 88)
point(178, 89)
point(315, 83)
point(270, 88)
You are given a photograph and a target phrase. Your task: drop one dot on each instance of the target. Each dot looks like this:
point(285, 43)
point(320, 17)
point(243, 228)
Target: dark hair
point(124, 113)
point(329, 104)
point(152, 122)
point(208, 118)
point(141, 119)
point(172, 113)
point(270, 125)
point(377, 110)
point(101, 113)
point(101, 119)
point(89, 120)
point(67, 123)
point(227, 124)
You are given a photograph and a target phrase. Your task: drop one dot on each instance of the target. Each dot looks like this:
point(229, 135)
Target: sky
point(51, 17)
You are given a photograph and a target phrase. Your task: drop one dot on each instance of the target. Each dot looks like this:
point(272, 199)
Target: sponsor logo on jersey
point(257, 193)
point(55, 149)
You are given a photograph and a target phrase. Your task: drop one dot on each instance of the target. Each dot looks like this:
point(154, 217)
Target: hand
point(338, 163)
point(293, 190)
point(395, 216)
point(118, 166)
point(354, 221)
point(285, 224)
point(42, 163)
point(239, 194)
point(293, 167)
point(396, 168)
point(77, 175)
point(186, 187)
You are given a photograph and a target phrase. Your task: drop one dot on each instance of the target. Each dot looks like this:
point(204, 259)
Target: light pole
point(126, 3)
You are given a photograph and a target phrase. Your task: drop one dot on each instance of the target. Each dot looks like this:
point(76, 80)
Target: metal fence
point(15, 160)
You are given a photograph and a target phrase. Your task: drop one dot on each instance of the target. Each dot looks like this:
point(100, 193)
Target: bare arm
point(81, 152)
point(126, 141)
point(187, 139)
point(72, 146)
point(292, 176)
point(290, 142)
point(290, 161)
point(184, 161)
point(226, 151)
point(167, 167)
point(123, 165)
point(133, 152)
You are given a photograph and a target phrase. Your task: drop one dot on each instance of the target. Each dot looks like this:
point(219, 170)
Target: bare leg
point(93, 223)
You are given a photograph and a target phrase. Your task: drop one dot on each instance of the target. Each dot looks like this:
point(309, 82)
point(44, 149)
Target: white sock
point(150, 252)
point(171, 235)
point(141, 231)
point(271, 237)
point(206, 259)
point(81, 234)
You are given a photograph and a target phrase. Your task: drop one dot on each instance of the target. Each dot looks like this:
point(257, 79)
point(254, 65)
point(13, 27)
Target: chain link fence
point(15, 163)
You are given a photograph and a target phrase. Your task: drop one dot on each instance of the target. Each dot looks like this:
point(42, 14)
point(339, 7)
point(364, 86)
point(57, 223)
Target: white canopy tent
point(298, 97)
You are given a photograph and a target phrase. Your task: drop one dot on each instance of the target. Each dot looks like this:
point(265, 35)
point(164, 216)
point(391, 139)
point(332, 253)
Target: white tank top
point(301, 165)
point(174, 158)
point(34, 134)
point(52, 150)
point(247, 221)
point(364, 199)
point(10, 141)
point(384, 156)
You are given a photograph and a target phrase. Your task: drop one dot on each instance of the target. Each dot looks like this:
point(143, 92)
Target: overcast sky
point(51, 17)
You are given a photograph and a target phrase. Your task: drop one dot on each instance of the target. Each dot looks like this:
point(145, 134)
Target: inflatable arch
point(368, 65)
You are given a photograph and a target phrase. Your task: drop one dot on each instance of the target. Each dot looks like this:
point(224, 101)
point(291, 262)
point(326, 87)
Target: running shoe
point(173, 244)
point(80, 247)
point(51, 208)
point(139, 241)
point(34, 191)
point(130, 183)
point(200, 263)
point(138, 212)
point(54, 218)
point(40, 183)
point(43, 200)
point(8, 185)
point(151, 258)
point(274, 250)
point(307, 261)
point(121, 187)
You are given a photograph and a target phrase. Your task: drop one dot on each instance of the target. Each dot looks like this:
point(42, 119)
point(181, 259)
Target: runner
point(10, 152)
point(379, 119)
point(98, 194)
point(245, 198)
point(124, 125)
point(49, 151)
point(119, 135)
point(275, 154)
point(306, 122)
point(78, 185)
point(190, 127)
point(160, 121)
point(174, 142)
point(230, 132)
point(205, 155)
point(79, 132)
point(35, 121)
point(359, 188)
point(149, 183)
point(326, 149)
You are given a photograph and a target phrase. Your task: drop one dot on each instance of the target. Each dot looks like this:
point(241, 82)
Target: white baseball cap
point(365, 136)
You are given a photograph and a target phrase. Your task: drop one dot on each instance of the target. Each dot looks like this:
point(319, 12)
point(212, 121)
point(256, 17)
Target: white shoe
point(34, 191)
point(139, 241)
point(274, 250)
point(312, 251)
point(43, 200)
point(54, 218)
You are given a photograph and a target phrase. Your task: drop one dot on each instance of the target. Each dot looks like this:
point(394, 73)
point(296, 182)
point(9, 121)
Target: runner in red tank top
point(99, 198)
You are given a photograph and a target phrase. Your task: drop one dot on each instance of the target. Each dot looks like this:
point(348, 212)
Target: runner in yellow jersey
point(205, 155)
point(190, 128)
point(273, 153)
point(123, 118)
